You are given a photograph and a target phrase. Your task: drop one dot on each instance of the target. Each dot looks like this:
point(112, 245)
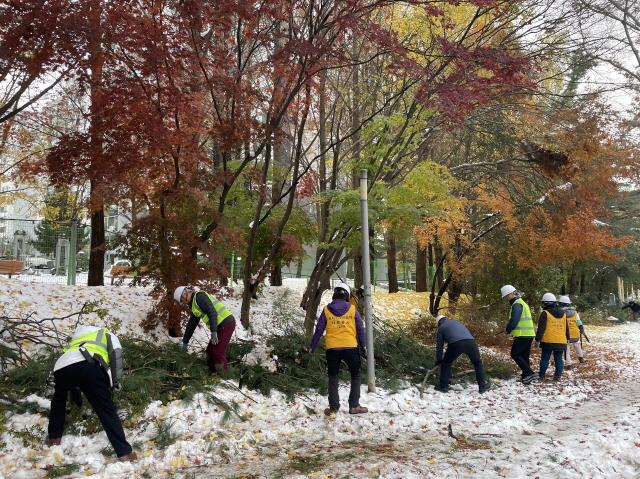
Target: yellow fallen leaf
point(178, 462)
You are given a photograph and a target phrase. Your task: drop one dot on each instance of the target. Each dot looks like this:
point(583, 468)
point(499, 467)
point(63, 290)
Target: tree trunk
point(439, 273)
point(276, 273)
point(96, 107)
point(431, 264)
point(356, 122)
point(299, 268)
point(357, 268)
point(392, 273)
point(573, 281)
point(583, 282)
point(319, 281)
point(98, 245)
point(421, 269)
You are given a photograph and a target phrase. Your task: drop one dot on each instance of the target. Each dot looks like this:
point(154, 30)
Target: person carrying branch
point(576, 329)
point(459, 341)
point(218, 318)
point(552, 335)
point(344, 336)
point(93, 364)
point(520, 326)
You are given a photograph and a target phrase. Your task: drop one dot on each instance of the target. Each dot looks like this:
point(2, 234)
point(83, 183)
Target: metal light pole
point(366, 278)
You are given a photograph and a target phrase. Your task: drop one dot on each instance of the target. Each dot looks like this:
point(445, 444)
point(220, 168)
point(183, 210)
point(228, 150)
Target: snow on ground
point(583, 427)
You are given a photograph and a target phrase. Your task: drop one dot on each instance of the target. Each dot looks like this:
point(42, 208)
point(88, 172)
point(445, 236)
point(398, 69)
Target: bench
point(122, 272)
point(11, 267)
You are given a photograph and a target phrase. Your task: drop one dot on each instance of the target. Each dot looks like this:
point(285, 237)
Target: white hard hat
point(506, 290)
point(564, 299)
point(177, 294)
point(344, 286)
point(548, 298)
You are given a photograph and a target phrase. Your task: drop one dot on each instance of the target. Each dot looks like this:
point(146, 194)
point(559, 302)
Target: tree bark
point(96, 198)
point(98, 244)
point(299, 268)
point(438, 276)
point(275, 276)
point(573, 281)
point(392, 272)
point(421, 269)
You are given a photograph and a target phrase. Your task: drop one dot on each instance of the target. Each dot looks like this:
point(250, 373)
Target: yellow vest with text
point(221, 309)
point(524, 328)
point(341, 330)
point(556, 330)
point(574, 330)
point(95, 342)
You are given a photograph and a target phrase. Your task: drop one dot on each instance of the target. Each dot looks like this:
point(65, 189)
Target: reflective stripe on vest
point(556, 330)
point(574, 330)
point(524, 328)
point(222, 311)
point(341, 330)
point(96, 342)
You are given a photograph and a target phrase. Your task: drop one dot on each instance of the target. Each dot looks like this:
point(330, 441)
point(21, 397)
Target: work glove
point(363, 351)
point(581, 328)
point(117, 386)
point(214, 338)
point(537, 344)
point(184, 346)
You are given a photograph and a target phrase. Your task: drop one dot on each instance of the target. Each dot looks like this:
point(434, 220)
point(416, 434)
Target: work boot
point(528, 379)
point(484, 388)
point(581, 359)
point(358, 410)
point(54, 442)
point(556, 379)
point(132, 456)
point(441, 389)
point(330, 411)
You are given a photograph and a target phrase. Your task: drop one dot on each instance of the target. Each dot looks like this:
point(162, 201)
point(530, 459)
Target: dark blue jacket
point(450, 331)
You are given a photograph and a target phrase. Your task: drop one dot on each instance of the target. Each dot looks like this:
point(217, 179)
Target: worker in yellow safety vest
point(93, 364)
point(520, 326)
point(552, 335)
point(216, 316)
point(576, 330)
point(345, 336)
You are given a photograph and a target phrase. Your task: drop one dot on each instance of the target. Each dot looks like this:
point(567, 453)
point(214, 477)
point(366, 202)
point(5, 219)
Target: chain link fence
point(44, 251)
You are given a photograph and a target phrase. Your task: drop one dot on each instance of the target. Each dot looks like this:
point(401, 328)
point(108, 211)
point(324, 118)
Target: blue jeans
point(545, 356)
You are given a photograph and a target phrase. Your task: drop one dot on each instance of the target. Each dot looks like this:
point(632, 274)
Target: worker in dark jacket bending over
point(459, 341)
point(216, 316)
point(552, 335)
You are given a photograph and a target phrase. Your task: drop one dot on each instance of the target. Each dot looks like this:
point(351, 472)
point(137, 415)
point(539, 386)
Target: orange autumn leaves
point(556, 216)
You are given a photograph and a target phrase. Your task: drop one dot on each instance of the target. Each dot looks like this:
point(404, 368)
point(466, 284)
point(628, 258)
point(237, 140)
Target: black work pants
point(351, 357)
point(465, 346)
point(520, 352)
point(94, 384)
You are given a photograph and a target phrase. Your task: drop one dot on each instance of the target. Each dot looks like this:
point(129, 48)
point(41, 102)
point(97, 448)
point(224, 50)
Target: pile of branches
point(21, 338)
